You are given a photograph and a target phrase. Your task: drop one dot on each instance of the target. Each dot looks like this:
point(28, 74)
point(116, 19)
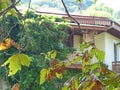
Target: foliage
point(20, 41)
point(99, 10)
point(16, 61)
point(36, 35)
point(73, 6)
point(7, 7)
point(94, 76)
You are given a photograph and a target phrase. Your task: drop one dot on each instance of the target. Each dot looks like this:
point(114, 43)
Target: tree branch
point(66, 10)
point(10, 7)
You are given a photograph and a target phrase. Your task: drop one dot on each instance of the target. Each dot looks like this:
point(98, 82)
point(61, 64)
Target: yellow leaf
point(52, 54)
point(76, 83)
point(5, 45)
point(15, 63)
point(8, 43)
point(25, 59)
point(43, 75)
point(60, 76)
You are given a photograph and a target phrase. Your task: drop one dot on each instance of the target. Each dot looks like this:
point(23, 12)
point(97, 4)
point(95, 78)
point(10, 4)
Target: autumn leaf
point(90, 86)
point(16, 61)
point(106, 72)
point(5, 45)
point(54, 63)
point(51, 72)
point(43, 75)
point(97, 85)
point(60, 69)
point(16, 86)
point(86, 56)
point(8, 43)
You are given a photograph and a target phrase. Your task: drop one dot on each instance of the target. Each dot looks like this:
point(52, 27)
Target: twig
point(66, 10)
point(29, 6)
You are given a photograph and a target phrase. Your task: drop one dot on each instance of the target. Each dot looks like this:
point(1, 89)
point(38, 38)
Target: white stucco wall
point(105, 42)
point(76, 42)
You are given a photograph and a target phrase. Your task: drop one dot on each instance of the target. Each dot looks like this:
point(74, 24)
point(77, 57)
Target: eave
point(100, 24)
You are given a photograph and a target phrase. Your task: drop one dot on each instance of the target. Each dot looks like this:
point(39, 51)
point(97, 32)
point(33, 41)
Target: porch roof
point(100, 24)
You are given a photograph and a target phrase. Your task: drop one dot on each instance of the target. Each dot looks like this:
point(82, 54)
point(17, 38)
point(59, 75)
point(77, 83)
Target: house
point(104, 32)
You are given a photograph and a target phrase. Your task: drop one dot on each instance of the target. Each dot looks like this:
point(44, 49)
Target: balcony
point(116, 66)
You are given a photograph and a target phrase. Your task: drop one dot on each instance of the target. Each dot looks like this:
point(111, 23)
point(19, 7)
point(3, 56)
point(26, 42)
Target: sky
point(111, 3)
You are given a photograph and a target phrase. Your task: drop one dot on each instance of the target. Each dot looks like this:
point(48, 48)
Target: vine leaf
point(16, 61)
point(51, 72)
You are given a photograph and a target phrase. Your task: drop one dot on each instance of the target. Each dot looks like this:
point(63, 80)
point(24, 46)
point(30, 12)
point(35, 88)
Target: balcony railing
point(116, 66)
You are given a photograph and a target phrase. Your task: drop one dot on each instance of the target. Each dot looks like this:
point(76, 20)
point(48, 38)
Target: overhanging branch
point(13, 5)
point(66, 10)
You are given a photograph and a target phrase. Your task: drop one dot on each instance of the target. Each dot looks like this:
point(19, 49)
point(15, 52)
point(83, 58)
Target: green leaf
point(43, 75)
point(83, 46)
point(15, 63)
point(4, 4)
point(100, 55)
point(92, 52)
point(94, 66)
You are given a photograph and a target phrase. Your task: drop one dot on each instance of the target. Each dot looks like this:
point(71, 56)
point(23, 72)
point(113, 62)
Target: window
point(116, 52)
